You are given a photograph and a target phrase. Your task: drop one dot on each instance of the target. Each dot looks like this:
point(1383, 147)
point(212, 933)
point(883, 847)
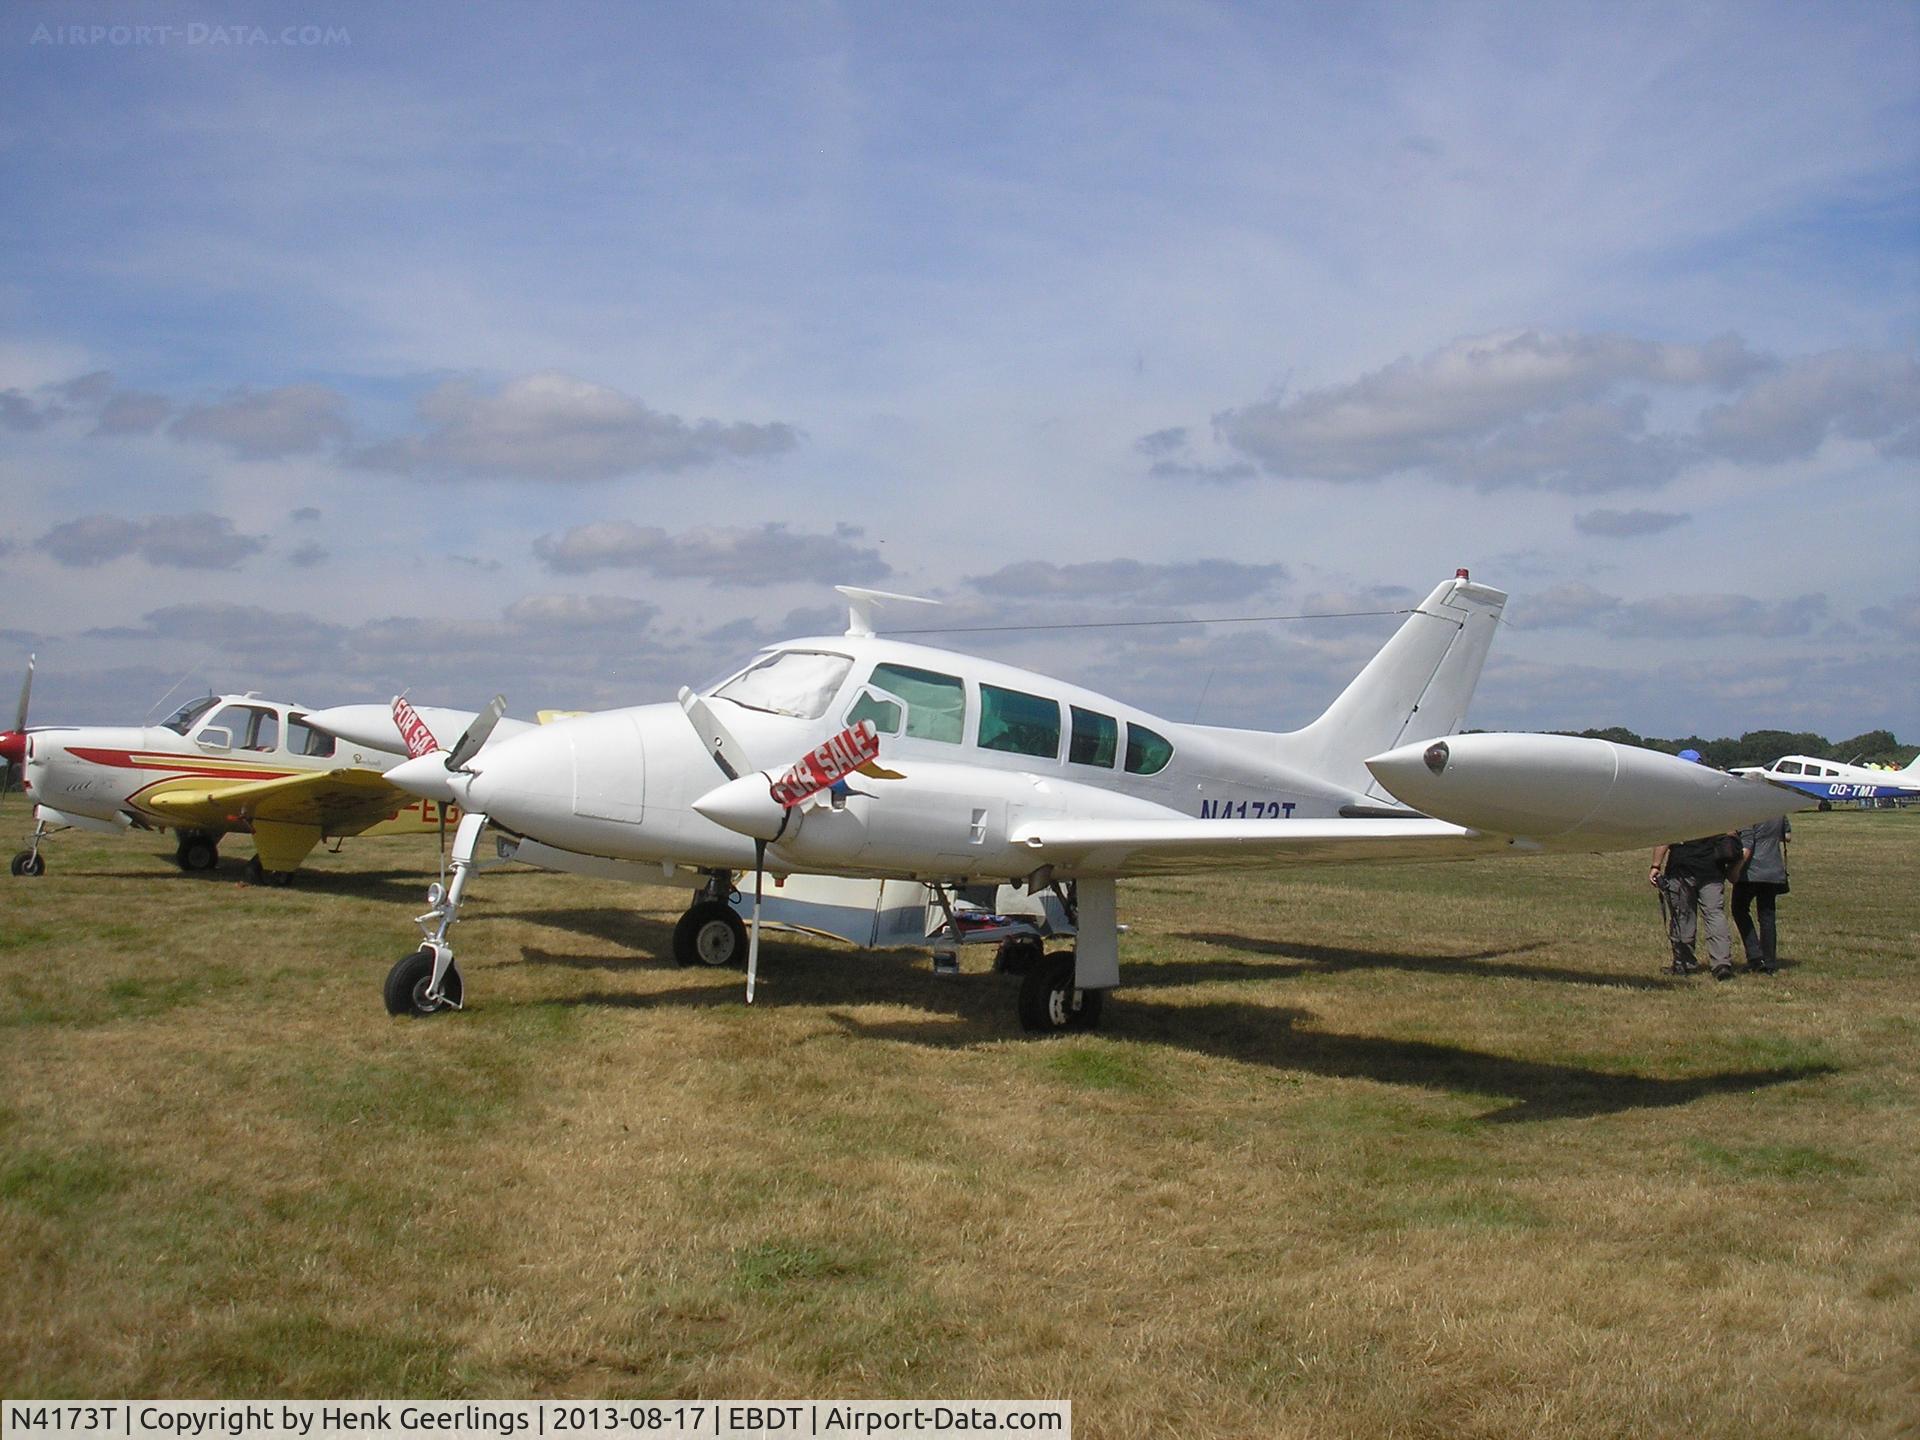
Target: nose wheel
point(29, 863)
point(410, 989)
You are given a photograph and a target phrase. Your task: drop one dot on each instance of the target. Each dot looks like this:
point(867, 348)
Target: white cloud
point(1187, 582)
point(768, 554)
point(268, 424)
point(1626, 524)
point(551, 426)
point(1516, 408)
point(182, 542)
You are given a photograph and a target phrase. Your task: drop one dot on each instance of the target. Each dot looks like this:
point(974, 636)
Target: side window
point(303, 739)
point(936, 704)
point(1095, 738)
point(1147, 753)
point(1022, 724)
point(885, 714)
point(248, 727)
point(1788, 767)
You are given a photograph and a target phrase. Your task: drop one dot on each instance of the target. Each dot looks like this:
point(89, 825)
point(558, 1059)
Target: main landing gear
point(258, 874)
point(198, 851)
point(711, 932)
point(427, 981)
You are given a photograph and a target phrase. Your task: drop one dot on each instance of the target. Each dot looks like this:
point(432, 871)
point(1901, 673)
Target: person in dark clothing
point(1691, 876)
point(1760, 880)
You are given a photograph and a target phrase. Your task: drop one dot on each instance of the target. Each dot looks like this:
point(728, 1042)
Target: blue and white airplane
point(1828, 780)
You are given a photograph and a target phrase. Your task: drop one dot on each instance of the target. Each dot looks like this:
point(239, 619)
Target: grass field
point(1401, 1151)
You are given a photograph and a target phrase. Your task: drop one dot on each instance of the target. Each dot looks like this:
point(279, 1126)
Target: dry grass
point(1408, 1151)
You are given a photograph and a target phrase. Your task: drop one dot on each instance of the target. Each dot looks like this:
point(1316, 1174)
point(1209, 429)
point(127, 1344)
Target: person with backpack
point(1691, 876)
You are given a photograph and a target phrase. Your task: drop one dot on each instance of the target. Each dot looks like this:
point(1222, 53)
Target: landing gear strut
point(427, 981)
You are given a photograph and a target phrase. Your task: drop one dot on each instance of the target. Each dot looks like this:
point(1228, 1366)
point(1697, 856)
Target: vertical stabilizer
point(1416, 688)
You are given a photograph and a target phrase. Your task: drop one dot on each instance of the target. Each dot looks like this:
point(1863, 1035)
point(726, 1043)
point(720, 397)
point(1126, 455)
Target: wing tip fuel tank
point(1565, 788)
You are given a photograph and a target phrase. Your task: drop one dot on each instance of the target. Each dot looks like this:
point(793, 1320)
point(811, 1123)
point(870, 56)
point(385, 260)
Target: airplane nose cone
point(427, 776)
point(745, 806)
point(13, 746)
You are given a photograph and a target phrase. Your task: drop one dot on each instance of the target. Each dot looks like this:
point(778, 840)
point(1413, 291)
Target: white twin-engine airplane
point(865, 756)
point(225, 764)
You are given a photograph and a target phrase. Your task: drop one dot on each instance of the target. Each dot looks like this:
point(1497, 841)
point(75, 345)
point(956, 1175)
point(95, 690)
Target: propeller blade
point(715, 739)
point(468, 745)
point(13, 743)
point(753, 937)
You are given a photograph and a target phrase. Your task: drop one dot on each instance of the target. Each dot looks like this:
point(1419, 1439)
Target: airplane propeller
point(13, 743)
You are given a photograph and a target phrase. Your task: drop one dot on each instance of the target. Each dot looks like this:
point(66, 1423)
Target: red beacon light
point(1461, 573)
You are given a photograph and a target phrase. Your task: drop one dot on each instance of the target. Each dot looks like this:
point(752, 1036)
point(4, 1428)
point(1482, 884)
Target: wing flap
point(338, 802)
point(1172, 847)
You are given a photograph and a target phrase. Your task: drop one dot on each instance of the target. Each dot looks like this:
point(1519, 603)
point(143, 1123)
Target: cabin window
point(1830, 771)
point(799, 683)
point(936, 704)
point(885, 714)
point(1787, 767)
point(1019, 723)
point(1094, 739)
point(248, 727)
point(303, 739)
point(1147, 753)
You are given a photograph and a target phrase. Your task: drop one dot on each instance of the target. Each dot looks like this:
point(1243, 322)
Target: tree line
point(1762, 747)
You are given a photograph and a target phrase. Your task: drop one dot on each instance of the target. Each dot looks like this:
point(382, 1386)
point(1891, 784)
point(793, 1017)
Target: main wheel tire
point(197, 853)
point(258, 874)
point(710, 933)
point(29, 863)
point(1021, 955)
point(1826, 805)
point(406, 990)
point(1049, 1003)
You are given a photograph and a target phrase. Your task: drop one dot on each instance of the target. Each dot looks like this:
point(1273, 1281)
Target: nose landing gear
point(427, 981)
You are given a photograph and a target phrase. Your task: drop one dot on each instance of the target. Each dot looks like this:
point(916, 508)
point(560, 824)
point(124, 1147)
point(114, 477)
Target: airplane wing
point(1172, 847)
point(336, 802)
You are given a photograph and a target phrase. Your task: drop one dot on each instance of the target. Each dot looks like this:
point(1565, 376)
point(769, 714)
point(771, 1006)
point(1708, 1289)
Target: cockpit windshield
point(800, 683)
point(182, 719)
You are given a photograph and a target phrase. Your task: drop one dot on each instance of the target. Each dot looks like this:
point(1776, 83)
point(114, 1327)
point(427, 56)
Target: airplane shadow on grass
point(1333, 959)
point(977, 1009)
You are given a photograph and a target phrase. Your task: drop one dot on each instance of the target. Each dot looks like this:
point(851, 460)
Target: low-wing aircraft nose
point(745, 806)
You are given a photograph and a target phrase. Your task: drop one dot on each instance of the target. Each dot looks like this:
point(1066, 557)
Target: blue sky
point(345, 348)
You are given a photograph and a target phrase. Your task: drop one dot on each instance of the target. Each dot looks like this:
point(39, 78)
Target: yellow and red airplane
point(286, 775)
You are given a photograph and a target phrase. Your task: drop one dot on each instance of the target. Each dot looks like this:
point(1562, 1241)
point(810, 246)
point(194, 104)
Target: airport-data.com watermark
point(193, 34)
